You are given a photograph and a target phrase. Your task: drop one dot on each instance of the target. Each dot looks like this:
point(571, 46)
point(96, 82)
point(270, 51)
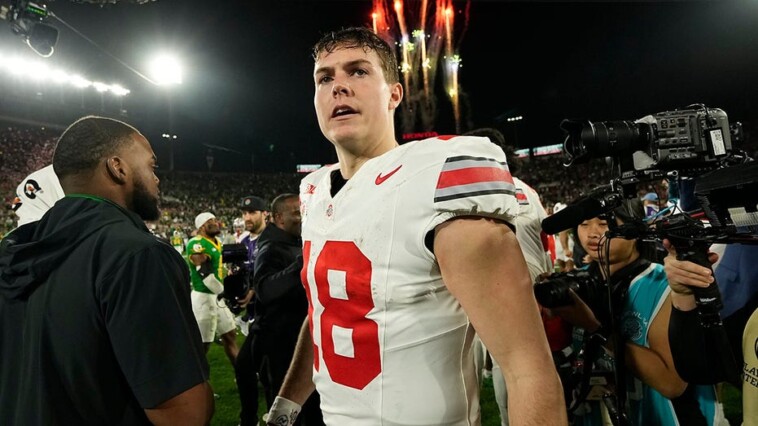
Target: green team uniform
point(178, 242)
point(199, 245)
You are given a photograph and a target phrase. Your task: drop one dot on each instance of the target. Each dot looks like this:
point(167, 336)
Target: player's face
point(145, 198)
point(592, 237)
point(354, 104)
point(253, 221)
point(212, 227)
point(289, 219)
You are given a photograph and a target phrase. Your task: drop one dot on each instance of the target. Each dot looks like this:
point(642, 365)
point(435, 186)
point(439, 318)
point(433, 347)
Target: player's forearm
point(536, 399)
point(535, 394)
point(298, 383)
point(496, 290)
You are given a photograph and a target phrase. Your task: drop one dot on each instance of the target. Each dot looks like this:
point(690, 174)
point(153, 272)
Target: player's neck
point(207, 237)
point(351, 162)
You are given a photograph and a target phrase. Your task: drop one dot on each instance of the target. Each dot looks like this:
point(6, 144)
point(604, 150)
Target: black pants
point(275, 352)
point(246, 372)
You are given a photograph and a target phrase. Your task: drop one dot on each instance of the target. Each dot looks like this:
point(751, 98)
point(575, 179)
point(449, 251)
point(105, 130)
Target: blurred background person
point(207, 276)
point(36, 194)
point(255, 214)
point(281, 304)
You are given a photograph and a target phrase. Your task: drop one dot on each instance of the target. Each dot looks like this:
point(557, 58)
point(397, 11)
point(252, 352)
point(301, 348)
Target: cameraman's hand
point(683, 274)
point(245, 300)
point(578, 314)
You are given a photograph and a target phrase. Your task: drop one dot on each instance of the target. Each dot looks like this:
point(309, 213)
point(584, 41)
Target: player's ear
point(116, 169)
point(396, 95)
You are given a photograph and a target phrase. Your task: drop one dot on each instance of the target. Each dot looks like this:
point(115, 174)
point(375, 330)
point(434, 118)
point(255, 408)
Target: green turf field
point(227, 406)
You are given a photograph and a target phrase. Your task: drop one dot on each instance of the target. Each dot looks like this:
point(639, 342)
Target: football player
point(407, 250)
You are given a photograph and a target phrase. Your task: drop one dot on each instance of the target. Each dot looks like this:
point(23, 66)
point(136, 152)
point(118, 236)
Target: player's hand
point(683, 274)
point(204, 269)
point(283, 412)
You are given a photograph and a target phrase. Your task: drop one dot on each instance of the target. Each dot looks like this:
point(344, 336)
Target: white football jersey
point(36, 194)
point(528, 225)
point(391, 344)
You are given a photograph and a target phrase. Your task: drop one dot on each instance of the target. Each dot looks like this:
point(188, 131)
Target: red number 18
point(365, 364)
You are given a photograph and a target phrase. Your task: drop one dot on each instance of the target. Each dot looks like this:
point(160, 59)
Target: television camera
point(237, 282)
point(29, 20)
point(694, 144)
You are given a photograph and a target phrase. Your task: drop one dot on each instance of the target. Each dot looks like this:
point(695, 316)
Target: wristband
point(283, 412)
point(213, 284)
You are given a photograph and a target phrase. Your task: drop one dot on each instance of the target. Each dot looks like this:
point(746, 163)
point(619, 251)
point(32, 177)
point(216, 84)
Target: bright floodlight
point(40, 71)
point(165, 70)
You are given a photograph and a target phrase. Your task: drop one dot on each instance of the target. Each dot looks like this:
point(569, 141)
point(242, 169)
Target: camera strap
point(592, 347)
point(620, 282)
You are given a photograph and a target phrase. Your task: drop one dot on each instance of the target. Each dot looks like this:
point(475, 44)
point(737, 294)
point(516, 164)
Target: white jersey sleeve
point(528, 224)
point(471, 179)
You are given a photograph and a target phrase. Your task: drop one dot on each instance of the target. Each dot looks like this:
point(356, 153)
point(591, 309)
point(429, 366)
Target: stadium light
point(118, 90)
point(40, 71)
point(165, 70)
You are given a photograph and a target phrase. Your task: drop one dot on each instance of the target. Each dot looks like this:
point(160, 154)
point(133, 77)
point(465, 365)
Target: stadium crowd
point(24, 149)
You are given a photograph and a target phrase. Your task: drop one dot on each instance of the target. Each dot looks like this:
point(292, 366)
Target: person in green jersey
point(207, 275)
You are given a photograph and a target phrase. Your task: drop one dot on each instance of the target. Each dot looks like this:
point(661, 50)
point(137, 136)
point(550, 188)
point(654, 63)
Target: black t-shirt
point(108, 332)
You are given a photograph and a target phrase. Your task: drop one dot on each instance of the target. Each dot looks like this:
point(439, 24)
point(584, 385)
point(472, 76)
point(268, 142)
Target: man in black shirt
point(96, 322)
point(281, 304)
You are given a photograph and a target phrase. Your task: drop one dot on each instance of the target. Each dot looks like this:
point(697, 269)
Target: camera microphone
point(573, 215)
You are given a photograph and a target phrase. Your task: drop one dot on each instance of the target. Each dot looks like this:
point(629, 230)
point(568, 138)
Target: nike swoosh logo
point(380, 179)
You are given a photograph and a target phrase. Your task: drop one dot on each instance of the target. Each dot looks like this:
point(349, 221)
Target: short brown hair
point(360, 37)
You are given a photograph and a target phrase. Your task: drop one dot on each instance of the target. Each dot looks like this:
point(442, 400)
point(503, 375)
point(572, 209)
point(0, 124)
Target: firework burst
point(429, 44)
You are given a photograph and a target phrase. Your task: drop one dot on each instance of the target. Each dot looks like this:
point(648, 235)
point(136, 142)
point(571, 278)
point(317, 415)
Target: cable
point(130, 68)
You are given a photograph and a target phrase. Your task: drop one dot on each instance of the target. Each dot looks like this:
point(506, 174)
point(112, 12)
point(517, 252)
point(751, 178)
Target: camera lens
point(554, 292)
point(586, 140)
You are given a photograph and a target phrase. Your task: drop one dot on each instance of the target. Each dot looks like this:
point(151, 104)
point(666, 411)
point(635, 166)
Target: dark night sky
point(248, 83)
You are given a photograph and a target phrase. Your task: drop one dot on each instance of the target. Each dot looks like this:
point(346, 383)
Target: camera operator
point(694, 354)
point(639, 311)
